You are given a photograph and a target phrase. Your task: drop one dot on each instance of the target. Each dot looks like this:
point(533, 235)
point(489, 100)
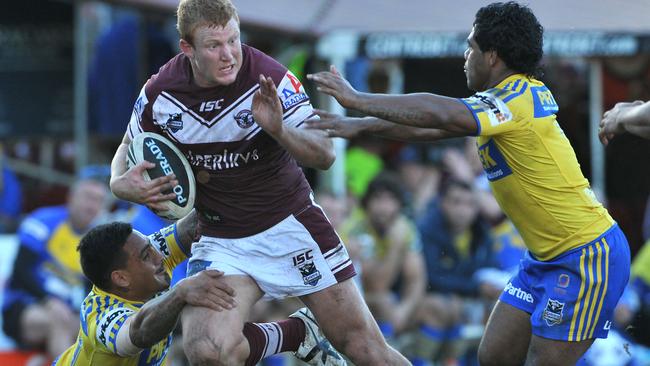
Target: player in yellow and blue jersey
point(119, 325)
point(578, 259)
point(128, 317)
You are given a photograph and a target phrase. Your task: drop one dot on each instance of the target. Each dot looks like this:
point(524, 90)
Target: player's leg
point(506, 338)
point(347, 323)
point(544, 351)
point(216, 338)
point(592, 278)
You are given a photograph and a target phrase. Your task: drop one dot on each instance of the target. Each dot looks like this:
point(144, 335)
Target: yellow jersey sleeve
point(167, 243)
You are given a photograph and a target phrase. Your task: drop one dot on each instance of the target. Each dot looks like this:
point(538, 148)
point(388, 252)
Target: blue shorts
point(572, 297)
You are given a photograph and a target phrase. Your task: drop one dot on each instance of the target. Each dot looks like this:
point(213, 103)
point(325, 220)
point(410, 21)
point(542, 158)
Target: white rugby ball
point(169, 160)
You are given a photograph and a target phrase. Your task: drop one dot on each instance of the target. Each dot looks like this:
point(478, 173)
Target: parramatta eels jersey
point(532, 168)
point(103, 314)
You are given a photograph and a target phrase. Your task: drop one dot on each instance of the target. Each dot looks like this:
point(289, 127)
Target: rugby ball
point(169, 160)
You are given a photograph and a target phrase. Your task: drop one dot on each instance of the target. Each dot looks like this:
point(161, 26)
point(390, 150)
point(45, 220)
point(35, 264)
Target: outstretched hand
point(332, 83)
point(267, 109)
point(610, 125)
point(335, 125)
point(132, 187)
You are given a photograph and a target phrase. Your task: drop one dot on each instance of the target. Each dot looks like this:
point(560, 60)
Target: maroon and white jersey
point(246, 181)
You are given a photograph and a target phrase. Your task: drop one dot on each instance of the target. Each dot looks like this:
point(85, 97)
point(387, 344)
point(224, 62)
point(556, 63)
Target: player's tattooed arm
point(350, 127)
point(422, 110)
point(158, 317)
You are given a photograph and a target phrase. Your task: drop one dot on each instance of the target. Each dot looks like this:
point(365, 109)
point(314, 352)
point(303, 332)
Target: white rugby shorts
point(300, 255)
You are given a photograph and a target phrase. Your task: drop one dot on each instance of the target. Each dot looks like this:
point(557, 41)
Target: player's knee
point(206, 352)
point(489, 357)
point(362, 345)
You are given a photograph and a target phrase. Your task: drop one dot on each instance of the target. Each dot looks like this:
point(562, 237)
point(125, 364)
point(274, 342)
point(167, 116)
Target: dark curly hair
point(101, 252)
point(512, 30)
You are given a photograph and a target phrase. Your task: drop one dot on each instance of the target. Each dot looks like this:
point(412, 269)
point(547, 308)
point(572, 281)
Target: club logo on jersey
point(174, 122)
point(244, 118)
point(553, 312)
point(495, 109)
point(310, 275)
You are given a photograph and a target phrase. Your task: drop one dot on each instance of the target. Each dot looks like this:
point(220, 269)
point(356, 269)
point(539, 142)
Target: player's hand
point(208, 289)
point(610, 125)
point(132, 187)
point(335, 125)
point(332, 83)
point(267, 109)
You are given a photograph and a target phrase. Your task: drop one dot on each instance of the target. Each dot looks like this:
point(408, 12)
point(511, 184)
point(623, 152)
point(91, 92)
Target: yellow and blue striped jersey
point(103, 314)
point(532, 168)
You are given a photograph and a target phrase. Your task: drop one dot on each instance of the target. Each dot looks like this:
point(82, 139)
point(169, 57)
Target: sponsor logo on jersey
point(495, 109)
point(290, 99)
point(174, 122)
point(244, 118)
point(518, 293)
point(212, 105)
point(105, 327)
point(543, 102)
point(292, 93)
point(224, 160)
point(608, 325)
point(158, 240)
point(138, 107)
point(494, 163)
point(552, 315)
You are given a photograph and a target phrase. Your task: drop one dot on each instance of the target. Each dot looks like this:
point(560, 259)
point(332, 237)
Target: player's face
point(145, 267)
point(476, 66)
point(216, 54)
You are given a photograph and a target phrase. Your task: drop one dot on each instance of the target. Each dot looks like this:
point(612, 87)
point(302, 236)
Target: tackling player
point(578, 259)
point(127, 318)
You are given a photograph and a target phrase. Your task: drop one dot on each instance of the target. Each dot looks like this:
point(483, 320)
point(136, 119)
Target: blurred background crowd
point(433, 249)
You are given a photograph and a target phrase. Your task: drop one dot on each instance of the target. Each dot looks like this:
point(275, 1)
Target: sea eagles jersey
point(532, 168)
point(103, 314)
point(246, 182)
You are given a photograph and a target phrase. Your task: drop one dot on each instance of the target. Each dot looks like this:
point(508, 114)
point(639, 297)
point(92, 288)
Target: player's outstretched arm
point(310, 148)
point(350, 127)
point(129, 184)
point(423, 110)
point(186, 230)
point(158, 317)
point(631, 117)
